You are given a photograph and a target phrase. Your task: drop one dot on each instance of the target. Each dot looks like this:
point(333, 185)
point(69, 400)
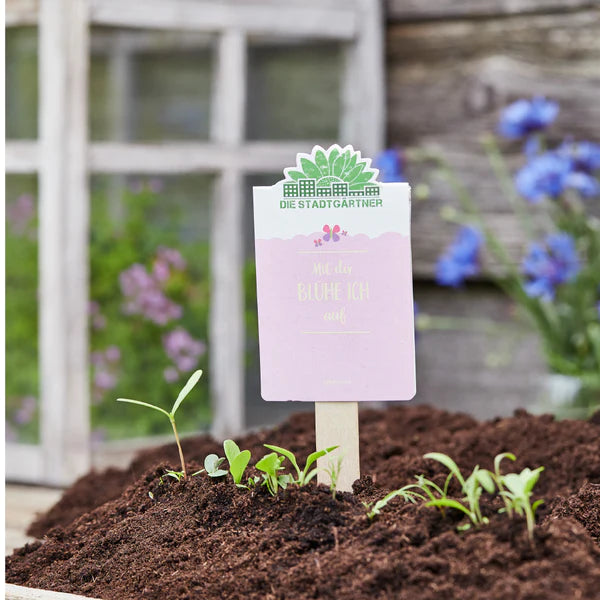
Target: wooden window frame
point(63, 157)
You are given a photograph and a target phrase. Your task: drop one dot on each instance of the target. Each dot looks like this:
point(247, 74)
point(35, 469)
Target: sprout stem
point(178, 447)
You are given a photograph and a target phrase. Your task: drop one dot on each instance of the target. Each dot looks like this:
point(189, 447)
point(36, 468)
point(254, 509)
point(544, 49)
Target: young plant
point(270, 465)
point(406, 493)
point(212, 464)
point(333, 470)
point(187, 388)
point(517, 490)
point(238, 461)
point(304, 475)
point(497, 475)
point(472, 488)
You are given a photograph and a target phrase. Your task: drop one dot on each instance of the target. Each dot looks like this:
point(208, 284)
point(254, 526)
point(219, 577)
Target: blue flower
point(461, 258)
point(550, 264)
point(585, 184)
point(584, 155)
point(544, 175)
point(523, 117)
point(389, 163)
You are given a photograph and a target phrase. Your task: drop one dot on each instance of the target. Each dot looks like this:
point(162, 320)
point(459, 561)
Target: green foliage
point(270, 465)
point(187, 388)
point(305, 475)
point(333, 470)
point(518, 488)
point(238, 460)
point(212, 464)
point(406, 493)
point(472, 488)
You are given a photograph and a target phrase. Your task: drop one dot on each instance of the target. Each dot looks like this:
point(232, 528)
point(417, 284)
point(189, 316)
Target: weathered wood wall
point(451, 66)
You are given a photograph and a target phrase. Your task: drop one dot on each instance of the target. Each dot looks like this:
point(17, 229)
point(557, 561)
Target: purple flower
point(144, 296)
point(523, 117)
point(172, 257)
point(103, 380)
point(550, 264)
point(543, 176)
point(183, 349)
point(461, 258)
point(113, 354)
point(389, 163)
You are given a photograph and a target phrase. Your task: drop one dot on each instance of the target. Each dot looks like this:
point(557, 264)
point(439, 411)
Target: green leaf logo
point(338, 171)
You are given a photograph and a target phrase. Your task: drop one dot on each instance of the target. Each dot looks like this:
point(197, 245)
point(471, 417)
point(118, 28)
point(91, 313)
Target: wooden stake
point(336, 423)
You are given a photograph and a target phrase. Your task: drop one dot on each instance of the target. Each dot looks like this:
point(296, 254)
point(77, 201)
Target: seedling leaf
point(158, 408)
point(289, 455)
point(187, 388)
point(238, 465)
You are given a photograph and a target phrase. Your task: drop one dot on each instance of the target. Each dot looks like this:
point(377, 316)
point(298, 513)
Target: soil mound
point(207, 539)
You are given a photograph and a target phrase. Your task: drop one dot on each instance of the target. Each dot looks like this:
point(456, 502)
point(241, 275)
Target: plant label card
point(334, 282)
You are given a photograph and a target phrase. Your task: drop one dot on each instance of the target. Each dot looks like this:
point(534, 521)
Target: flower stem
point(179, 447)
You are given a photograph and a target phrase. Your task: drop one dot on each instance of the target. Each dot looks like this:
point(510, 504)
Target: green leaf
point(486, 480)
point(187, 388)
point(310, 169)
point(238, 465)
point(350, 164)
point(352, 175)
point(536, 505)
point(158, 408)
point(231, 450)
point(289, 455)
point(448, 463)
point(322, 162)
point(363, 178)
point(268, 464)
point(316, 455)
point(212, 462)
point(333, 156)
point(218, 473)
point(296, 175)
point(450, 503)
point(338, 167)
point(499, 459)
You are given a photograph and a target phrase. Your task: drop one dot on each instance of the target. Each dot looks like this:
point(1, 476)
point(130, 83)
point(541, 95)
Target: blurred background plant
point(148, 312)
point(557, 282)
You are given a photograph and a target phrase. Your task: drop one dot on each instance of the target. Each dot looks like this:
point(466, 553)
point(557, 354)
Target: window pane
point(22, 375)
point(21, 83)
point(258, 412)
point(294, 92)
point(149, 301)
point(150, 86)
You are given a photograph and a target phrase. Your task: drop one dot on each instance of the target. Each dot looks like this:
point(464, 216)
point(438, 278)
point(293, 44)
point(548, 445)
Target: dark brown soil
point(207, 539)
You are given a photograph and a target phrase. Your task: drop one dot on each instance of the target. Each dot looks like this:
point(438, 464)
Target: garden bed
point(201, 538)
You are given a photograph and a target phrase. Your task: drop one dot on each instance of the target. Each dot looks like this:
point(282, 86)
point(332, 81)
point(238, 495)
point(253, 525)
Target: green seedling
point(406, 493)
point(497, 476)
point(517, 490)
point(238, 461)
point(212, 464)
point(187, 388)
point(333, 470)
point(270, 465)
point(472, 488)
point(304, 475)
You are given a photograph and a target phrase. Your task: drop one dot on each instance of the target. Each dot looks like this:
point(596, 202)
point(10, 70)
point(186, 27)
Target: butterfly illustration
point(331, 234)
point(318, 242)
point(344, 233)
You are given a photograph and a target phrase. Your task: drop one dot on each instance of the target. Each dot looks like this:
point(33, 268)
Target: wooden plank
point(447, 85)
point(64, 205)
point(227, 324)
point(24, 463)
point(20, 12)
point(415, 10)
point(23, 504)
point(363, 89)
point(336, 424)
point(182, 157)
point(300, 19)
point(21, 156)
point(17, 592)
